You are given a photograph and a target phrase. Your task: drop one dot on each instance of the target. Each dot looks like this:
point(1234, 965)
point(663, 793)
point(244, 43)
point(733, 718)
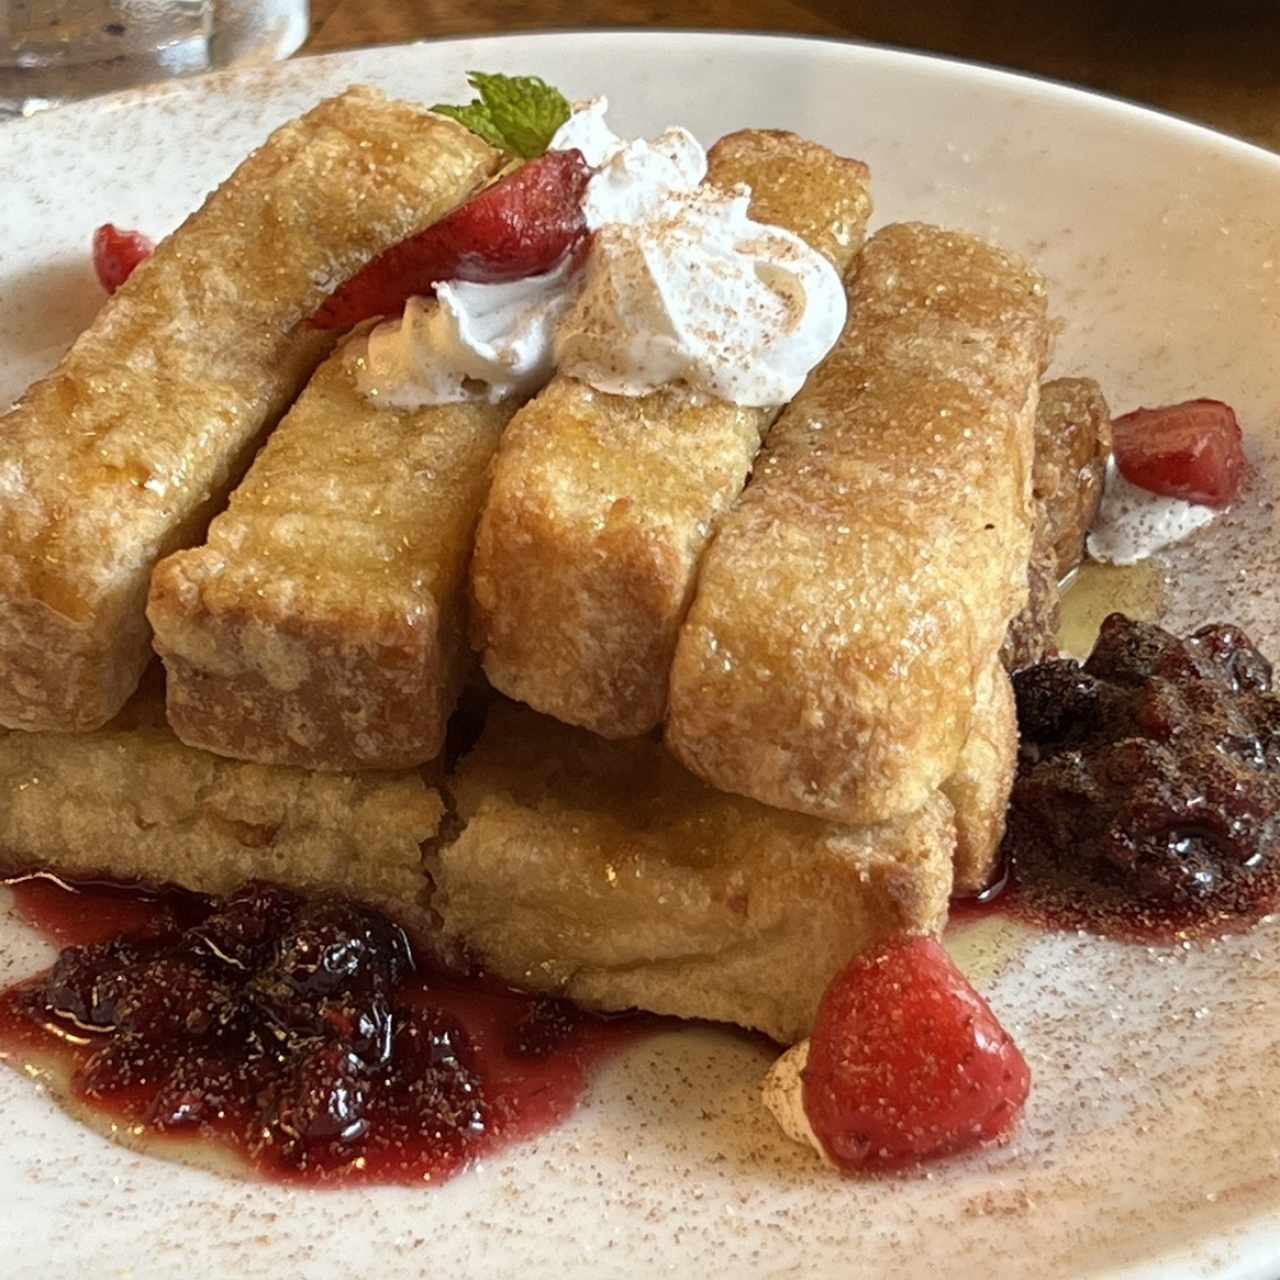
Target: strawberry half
point(520, 226)
point(907, 1061)
point(116, 253)
point(1193, 451)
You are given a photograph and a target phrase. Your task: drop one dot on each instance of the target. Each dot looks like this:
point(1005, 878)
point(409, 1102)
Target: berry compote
point(307, 1034)
point(1147, 798)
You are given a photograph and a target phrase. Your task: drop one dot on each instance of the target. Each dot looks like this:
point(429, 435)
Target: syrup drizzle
point(1035, 894)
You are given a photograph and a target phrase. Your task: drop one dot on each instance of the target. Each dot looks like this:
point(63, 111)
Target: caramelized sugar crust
point(861, 587)
point(323, 623)
point(1073, 443)
point(601, 871)
point(126, 449)
point(979, 788)
point(606, 872)
point(132, 802)
point(601, 505)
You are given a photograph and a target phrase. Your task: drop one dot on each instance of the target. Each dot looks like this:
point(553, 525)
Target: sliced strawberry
point(521, 226)
point(116, 253)
point(1193, 451)
point(907, 1061)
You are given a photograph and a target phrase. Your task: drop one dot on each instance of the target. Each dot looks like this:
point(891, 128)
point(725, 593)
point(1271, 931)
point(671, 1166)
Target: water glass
point(53, 51)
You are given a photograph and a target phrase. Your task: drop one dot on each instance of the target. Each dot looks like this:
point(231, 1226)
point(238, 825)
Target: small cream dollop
point(783, 1095)
point(1133, 523)
point(633, 178)
point(701, 294)
point(680, 285)
point(471, 342)
point(492, 341)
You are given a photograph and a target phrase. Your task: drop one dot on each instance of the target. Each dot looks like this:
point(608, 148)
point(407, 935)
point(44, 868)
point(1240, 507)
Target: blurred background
point(1218, 63)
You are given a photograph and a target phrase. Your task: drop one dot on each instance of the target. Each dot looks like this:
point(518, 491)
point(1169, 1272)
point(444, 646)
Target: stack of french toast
point(733, 681)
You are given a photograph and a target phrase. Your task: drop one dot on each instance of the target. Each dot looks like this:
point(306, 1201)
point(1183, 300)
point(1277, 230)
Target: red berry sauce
point(307, 1035)
point(1147, 801)
point(1147, 798)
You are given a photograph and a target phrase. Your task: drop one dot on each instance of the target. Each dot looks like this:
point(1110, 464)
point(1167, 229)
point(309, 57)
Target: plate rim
point(1114, 110)
point(1049, 86)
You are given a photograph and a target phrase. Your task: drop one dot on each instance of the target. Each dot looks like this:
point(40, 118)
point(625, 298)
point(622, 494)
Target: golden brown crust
point(122, 454)
point(1073, 443)
point(606, 873)
point(131, 801)
point(601, 871)
point(1033, 630)
point(601, 505)
point(323, 622)
point(864, 582)
point(798, 184)
point(585, 553)
point(983, 778)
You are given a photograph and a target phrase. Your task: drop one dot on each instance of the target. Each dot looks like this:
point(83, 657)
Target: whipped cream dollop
point(1133, 523)
point(633, 179)
point(783, 1095)
point(472, 341)
point(679, 285)
point(699, 293)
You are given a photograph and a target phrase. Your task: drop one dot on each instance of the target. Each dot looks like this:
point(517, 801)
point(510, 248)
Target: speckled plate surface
point(1150, 1146)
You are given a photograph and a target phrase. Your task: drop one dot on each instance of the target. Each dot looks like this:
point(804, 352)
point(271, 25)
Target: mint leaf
point(475, 116)
point(519, 114)
point(526, 110)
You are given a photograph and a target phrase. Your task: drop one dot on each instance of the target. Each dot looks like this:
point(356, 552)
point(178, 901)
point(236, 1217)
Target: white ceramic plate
point(1150, 1146)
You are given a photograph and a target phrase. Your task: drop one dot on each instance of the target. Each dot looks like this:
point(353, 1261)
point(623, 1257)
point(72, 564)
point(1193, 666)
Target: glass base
point(53, 53)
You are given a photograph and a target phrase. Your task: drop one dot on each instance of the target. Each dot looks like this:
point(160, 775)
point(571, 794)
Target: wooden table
point(1216, 63)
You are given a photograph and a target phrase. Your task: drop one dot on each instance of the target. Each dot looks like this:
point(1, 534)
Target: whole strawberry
point(907, 1061)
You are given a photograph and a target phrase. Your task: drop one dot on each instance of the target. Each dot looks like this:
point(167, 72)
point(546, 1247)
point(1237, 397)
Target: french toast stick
point(126, 449)
point(1072, 445)
point(132, 802)
point(862, 585)
point(604, 872)
point(979, 787)
point(601, 871)
point(601, 504)
point(1033, 630)
point(1072, 441)
point(323, 623)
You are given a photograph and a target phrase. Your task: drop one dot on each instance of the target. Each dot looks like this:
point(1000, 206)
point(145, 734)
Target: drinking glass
point(53, 51)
